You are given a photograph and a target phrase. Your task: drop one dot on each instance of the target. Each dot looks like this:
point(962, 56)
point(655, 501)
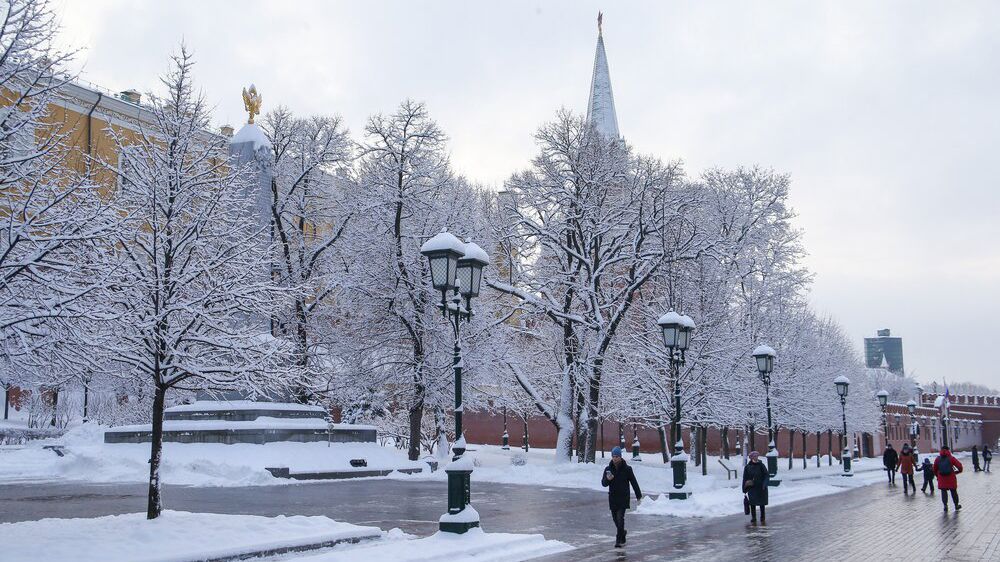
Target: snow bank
point(473, 546)
point(175, 536)
point(88, 458)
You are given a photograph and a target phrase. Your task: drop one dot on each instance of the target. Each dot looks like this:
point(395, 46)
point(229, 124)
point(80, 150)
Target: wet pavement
point(870, 523)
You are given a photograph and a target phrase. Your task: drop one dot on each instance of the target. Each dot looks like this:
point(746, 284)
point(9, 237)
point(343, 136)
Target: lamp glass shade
point(464, 278)
point(911, 406)
point(842, 383)
point(443, 268)
point(883, 397)
point(683, 337)
point(671, 334)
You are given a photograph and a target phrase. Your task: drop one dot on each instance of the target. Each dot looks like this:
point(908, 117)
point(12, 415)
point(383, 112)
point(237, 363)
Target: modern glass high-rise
point(884, 351)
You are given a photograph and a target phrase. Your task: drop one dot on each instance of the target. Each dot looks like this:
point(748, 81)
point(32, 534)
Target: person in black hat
point(617, 477)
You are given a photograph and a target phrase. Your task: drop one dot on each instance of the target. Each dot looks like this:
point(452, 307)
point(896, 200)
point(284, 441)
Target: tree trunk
point(829, 446)
point(753, 440)
point(86, 396)
point(416, 417)
point(154, 505)
point(703, 448)
point(819, 454)
point(55, 405)
point(695, 444)
point(6, 401)
point(725, 442)
point(663, 443)
point(791, 447)
point(805, 451)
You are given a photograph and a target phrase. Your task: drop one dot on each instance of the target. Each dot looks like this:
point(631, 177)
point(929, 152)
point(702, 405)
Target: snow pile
point(174, 536)
point(252, 133)
point(88, 458)
point(473, 546)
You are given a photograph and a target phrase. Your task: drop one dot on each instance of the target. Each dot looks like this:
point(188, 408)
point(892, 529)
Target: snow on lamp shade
point(842, 383)
point(670, 326)
point(764, 355)
point(684, 335)
point(883, 398)
point(911, 406)
point(470, 270)
point(443, 252)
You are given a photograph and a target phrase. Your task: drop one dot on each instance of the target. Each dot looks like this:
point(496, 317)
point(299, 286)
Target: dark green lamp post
point(764, 357)
point(842, 383)
point(456, 267)
point(911, 407)
point(883, 401)
point(676, 330)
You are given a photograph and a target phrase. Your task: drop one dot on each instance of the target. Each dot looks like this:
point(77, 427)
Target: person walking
point(890, 459)
point(617, 477)
point(755, 483)
point(907, 462)
point(975, 459)
point(987, 457)
point(946, 468)
point(928, 469)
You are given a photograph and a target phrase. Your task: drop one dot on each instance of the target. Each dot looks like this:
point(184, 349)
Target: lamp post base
point(772, 465)
point(774, 482)
point(679, 495)
point(846, 458)
point(461, 516)
point(678, 464)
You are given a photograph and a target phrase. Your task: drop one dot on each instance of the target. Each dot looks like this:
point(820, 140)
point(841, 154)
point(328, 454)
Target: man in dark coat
point(975, 459)
point(890, 459)
point(755, 482)
point(617, 477)
point(987, 457)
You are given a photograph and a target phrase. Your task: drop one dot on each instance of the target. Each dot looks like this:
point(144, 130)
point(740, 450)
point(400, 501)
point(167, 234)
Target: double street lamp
point(764, 356)
point(456, 267)
point(883, 401)
point(842, 383)
point(911, 407)
point(676, 330)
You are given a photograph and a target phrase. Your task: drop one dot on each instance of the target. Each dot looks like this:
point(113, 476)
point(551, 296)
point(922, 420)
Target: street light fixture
point(676, 330)
point(458, 267)
point(764, 356)
point(843, 383)
point(883, 401)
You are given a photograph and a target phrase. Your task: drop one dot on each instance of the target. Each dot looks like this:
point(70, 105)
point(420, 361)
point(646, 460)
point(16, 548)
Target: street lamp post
point(842, 383)
point(676, 330)
point(635, 444)
point(883, 401)
point(911, 407)
point(457, 267)
point(764, 356)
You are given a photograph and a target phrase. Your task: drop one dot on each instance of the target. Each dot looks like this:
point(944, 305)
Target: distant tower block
point(884, 351)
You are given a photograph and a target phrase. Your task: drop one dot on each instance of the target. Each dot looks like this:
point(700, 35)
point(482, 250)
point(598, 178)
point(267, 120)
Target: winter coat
point(975, 457)
point(907, 461)
point(756, 473)
point(987, 454)
point(947, 481)
point(618, 496)
point(928, 469)
point(890, 458)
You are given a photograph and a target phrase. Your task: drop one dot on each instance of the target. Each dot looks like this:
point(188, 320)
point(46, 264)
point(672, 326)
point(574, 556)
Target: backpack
point(945, 468)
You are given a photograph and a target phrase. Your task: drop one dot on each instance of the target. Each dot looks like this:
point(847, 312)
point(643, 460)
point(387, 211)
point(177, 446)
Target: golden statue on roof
point(252, 101)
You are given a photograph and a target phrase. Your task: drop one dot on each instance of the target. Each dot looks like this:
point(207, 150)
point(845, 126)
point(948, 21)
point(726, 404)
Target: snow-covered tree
point(308, 219)
point(193, 291)
point(50, 213)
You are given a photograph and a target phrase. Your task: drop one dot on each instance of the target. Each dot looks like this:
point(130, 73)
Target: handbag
point(746, 505)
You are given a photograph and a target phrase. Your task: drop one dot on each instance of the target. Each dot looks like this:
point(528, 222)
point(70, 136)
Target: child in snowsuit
point(928, 471)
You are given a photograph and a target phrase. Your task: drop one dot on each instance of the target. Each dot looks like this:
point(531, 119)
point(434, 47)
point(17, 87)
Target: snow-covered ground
point(174, 536)
point(88, 458)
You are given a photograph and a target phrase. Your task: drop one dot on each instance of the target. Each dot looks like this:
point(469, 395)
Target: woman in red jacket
point(946, 468)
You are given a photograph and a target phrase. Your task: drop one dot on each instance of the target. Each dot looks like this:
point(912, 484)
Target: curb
point(278, 551)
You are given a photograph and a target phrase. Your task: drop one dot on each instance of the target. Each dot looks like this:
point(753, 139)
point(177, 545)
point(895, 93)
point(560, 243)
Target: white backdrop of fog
point(885, 114)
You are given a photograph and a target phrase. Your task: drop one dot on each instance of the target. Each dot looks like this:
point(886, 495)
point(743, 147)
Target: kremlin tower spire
point(601, 105)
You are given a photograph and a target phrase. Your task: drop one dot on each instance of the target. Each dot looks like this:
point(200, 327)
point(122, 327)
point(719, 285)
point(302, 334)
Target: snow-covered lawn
point(174, 536)
point(88, 458)
point(473, 546)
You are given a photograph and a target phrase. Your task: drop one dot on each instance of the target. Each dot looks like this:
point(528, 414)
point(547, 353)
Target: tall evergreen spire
point(601, 105)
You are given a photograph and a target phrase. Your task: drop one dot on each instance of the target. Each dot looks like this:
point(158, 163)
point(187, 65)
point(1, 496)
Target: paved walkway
point(871, 523)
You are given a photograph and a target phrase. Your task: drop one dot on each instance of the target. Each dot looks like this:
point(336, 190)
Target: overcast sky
point(886, 115)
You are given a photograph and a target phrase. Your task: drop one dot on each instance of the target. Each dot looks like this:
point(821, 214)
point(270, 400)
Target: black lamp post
point(842, 383)
point(764, 356)
point(883, 401)
point(458, 267)
point(911, 407)
point(676, 330)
